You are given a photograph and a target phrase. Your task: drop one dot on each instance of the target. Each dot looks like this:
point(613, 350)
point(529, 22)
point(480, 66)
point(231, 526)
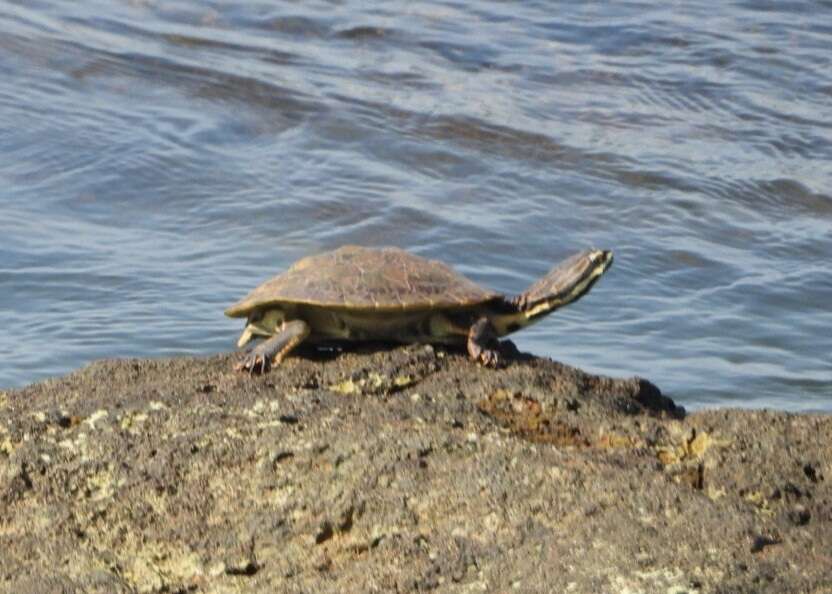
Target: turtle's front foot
point(272, 351)
point(483, 344)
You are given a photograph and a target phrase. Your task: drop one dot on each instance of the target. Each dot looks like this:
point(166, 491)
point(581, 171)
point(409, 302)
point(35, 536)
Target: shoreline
point(409, 469)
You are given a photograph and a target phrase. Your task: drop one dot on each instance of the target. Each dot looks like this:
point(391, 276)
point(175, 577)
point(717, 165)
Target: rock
point(408, 469)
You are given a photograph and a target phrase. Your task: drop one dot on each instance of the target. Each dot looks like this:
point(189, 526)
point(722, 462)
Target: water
point(159, 159)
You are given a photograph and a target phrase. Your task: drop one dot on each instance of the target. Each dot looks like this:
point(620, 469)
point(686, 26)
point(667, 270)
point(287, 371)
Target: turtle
point(387, 294)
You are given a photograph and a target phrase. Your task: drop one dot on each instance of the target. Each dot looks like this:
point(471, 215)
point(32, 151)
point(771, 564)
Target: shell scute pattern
point(367, 279)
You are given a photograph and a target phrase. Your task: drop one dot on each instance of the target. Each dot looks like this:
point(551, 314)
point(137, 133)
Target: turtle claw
point(251, 362)
point(490, 358)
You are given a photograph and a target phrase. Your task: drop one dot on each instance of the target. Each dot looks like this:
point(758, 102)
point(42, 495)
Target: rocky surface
point(402, 470)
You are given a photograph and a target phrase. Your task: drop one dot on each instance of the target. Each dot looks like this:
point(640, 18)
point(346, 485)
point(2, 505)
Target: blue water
point(159, 159)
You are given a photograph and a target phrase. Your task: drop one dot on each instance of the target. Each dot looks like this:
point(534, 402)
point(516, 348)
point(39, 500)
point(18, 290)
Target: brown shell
point(354, 277)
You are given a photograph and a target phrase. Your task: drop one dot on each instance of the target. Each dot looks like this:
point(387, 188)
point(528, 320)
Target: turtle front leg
point(483, 343)
point(272, 351)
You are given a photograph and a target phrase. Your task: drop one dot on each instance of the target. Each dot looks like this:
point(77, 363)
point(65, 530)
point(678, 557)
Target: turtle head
point(567, 282)
point(262, 323)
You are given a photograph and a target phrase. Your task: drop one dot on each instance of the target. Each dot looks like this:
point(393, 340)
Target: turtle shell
point(366, 279)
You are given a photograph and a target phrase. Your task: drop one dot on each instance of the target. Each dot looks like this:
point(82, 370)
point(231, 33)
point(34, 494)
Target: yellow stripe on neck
point(511, 322)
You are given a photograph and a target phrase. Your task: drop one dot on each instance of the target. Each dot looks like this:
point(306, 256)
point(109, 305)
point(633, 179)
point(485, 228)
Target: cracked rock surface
point(402, 470)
